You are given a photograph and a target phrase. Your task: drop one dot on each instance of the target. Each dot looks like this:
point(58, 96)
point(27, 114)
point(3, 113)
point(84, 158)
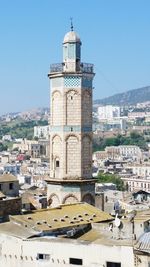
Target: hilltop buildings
point(42, 132)
point(108, 112)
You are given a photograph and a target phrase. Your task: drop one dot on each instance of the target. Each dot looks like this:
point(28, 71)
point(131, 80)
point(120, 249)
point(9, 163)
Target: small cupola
point(71, 51)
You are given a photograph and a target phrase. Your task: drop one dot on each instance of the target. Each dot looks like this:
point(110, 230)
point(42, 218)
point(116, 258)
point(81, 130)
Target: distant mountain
point(38, 110)
point(131, 97)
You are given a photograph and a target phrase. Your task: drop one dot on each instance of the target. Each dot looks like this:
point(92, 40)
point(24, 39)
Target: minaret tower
point(71, 127)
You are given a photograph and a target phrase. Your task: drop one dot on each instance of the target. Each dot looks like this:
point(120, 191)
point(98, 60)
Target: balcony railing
point(84, 67)
point(58, 67)
point(87, 67)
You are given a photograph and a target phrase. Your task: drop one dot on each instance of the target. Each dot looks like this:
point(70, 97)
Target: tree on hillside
point(3, 147)
point(111, 178)
point(134, 139)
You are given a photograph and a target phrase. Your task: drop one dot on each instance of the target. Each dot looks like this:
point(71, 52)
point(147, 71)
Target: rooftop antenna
point(71, 19)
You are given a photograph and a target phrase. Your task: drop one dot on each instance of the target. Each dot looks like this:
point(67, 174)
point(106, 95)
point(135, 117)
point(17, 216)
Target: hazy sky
point(115, 37)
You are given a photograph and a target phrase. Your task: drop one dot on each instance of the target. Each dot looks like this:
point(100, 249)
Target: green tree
point(134, 139)
point(111, 178)
point(3, 147)
point(21, 129)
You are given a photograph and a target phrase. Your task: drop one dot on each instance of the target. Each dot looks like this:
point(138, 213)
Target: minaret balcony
point(87, 67)
point(57, 67)
point(84, 68)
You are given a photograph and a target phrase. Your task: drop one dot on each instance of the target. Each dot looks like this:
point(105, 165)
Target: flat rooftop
point(90, 224)
point(61, 217)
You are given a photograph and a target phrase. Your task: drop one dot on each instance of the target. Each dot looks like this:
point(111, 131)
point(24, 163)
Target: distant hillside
point(131, 97)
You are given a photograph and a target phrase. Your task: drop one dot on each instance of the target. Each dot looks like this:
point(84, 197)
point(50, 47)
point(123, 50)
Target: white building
point(24, 179)
point(7, 137)
point(119, 152)
point(77, 234)
point(130, 151)
point(24, 145)
point(115, 123)
point(142, 170)
point(135, 183)
point(41, 131)
point(108, 112)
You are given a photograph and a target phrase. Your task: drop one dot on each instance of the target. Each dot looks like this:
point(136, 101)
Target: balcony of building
point(83, 68)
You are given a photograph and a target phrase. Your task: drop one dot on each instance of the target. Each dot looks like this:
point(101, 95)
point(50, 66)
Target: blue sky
point(115, 37)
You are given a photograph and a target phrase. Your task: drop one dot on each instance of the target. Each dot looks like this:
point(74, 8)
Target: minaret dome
point(71, 37)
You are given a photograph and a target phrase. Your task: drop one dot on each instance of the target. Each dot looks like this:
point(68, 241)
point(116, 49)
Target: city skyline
point(115, 37)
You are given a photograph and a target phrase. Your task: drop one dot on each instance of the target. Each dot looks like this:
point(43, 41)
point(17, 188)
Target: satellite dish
point(117, 222)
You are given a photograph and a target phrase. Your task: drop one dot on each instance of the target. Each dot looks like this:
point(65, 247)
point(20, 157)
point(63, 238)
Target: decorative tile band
point(71, 128)
point(72, 81)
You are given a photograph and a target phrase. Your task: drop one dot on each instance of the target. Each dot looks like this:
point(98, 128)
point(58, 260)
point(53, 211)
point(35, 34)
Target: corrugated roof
point(143, 243)
point(143, 215)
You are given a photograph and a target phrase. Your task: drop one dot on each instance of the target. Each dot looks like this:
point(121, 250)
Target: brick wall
point(73, 163)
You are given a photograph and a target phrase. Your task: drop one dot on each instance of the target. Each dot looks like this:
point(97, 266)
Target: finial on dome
point(71, 24)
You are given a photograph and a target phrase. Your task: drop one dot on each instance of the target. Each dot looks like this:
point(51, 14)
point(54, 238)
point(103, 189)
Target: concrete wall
point(10, 188)
point(14, 252)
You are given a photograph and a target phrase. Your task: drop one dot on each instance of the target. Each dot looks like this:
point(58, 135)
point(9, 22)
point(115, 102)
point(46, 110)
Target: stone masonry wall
point(57, 108)
point(10, 207)
point(73, 156)
point(86, 107)
point(73, 108)
point(86, 156)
